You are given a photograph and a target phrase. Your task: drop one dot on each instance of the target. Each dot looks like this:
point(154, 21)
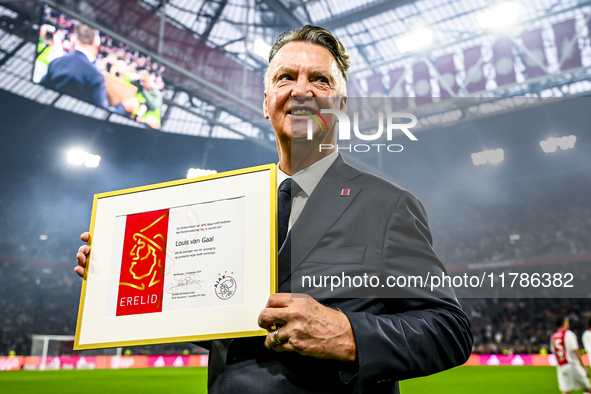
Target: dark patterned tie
point(283, 210)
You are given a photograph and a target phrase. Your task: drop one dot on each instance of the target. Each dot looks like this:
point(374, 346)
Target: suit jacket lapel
point(321, 211)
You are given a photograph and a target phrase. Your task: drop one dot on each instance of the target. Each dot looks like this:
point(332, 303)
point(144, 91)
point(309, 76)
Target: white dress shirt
point(307, 179)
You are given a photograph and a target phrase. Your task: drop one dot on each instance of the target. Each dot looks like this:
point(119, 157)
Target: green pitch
point(487, 380)
point(462, 380)
point(106, 381)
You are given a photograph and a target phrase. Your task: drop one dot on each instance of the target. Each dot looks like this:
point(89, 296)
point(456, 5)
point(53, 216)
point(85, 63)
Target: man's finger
point(82, 254)
point(279, 300)
point(284, 347)
point(80, 271)
point(272, 316)
point(81, 258)
point(281, 337)
point(84, 249)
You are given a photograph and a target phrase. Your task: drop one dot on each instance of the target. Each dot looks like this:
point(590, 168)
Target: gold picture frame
point(161, 258)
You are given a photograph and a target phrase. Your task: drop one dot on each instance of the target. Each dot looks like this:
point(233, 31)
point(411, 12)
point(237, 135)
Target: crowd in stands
point(520, 230)
point(522, 326)
point(44, 235)
point(141, 71)
point(35, 300)
point(60, 36)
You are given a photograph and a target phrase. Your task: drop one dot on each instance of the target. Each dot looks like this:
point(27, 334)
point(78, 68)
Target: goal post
point(45, 346)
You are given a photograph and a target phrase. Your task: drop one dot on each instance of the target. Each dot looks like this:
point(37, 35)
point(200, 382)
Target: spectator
point(75, 73)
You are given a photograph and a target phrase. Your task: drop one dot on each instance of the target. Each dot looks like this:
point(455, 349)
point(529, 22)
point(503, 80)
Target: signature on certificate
point(190, 280)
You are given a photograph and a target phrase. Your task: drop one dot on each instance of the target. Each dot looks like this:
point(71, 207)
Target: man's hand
point(308, 327)
point(82, 255)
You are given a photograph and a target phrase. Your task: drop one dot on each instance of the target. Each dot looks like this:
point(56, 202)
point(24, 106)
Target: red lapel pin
point(345, 192)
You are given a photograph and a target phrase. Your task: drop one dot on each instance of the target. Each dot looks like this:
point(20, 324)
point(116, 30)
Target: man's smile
point(301, 111)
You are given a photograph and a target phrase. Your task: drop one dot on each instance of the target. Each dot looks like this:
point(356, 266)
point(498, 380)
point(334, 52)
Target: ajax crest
point(225, 287)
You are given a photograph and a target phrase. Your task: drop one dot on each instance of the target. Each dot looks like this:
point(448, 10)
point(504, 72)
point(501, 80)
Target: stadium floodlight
point(261, 48)
point(416, 40)
point(488, 156)
point(79, 157)
point(551, 144)
point(195, 172)
point(500, 16)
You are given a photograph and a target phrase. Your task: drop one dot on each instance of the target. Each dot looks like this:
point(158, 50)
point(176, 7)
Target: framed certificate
point(188, 260)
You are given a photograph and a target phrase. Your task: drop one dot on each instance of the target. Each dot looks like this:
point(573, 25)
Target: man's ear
point(266, 112)
point(344, 104)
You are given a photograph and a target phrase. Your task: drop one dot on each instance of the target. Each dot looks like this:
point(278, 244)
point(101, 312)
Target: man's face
point(300, 75)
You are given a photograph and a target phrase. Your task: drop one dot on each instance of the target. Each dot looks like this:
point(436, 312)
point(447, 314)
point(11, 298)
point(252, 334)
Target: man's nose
point(302, 89)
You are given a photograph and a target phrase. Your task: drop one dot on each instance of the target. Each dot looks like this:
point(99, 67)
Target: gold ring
point(276, 337)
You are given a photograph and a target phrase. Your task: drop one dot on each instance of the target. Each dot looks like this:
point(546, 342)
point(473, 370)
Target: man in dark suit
point(329, 344)
point(75, 74)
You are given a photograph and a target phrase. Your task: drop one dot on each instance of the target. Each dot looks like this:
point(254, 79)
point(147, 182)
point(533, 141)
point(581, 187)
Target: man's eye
point(285, 78)
point(322, 79)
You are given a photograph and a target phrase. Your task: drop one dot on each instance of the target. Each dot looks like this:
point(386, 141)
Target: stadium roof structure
point(543, 50)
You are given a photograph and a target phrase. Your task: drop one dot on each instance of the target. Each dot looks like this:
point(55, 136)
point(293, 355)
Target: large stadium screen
point(80, 61)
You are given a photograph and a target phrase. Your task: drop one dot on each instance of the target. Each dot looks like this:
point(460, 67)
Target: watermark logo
point(316, 116)
point(344, 132)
